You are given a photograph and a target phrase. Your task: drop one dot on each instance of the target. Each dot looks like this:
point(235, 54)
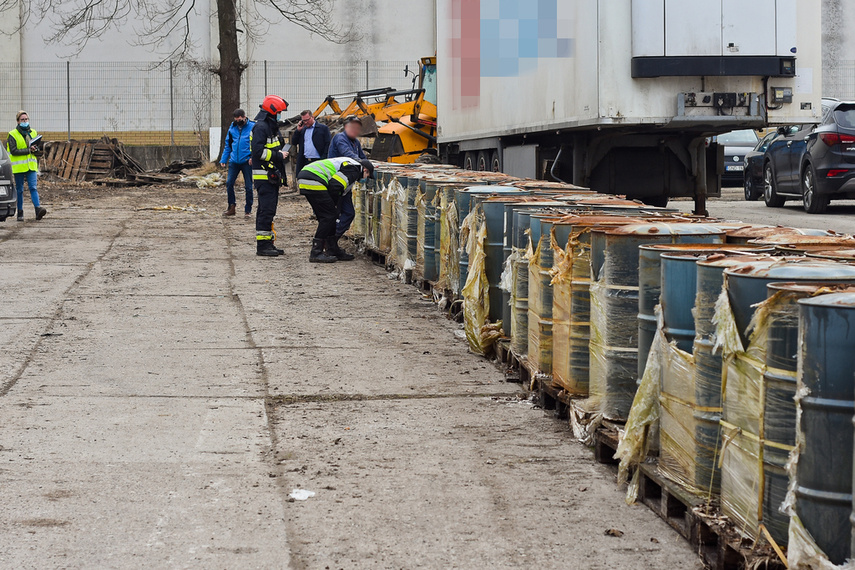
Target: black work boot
point(20, 215)
point(317, 255)
point(40, 213)
point(265, 248)
point(334, 250)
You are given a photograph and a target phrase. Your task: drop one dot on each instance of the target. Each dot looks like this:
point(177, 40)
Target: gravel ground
point(164, 391)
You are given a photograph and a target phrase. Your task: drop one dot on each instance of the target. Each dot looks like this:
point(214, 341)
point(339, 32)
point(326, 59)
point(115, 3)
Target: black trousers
point(325, 206)
point(268, 200)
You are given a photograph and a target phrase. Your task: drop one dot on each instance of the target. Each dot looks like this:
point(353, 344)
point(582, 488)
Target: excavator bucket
point(369, 126)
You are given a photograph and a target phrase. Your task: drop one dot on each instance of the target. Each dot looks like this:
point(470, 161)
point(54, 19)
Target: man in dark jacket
point(268, 171)
point(312, 138)
point(236, 155)
point(323, 183)
point(346, 144)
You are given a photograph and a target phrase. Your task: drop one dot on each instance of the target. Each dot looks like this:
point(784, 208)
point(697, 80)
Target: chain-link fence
point(143, 103)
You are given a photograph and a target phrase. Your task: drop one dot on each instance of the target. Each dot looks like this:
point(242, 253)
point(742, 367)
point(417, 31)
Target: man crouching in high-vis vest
point(323, 183)
point(268, 171)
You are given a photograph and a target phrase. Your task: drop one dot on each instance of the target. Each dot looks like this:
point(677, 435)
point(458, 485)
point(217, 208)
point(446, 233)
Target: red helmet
point(274, 104)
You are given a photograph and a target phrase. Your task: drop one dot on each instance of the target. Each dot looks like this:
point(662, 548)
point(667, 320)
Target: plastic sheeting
point(449, 254)
point(358, 196)
point(405, 226)
point(744, 482)
point(480, 333)
point(539, 328)
point(421, 220)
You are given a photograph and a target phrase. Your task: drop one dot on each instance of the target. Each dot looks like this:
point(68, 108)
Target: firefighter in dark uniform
point(268, 171)
point(323, 183)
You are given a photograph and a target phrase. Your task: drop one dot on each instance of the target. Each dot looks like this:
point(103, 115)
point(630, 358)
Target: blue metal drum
point(824, 471)
point(614, 314)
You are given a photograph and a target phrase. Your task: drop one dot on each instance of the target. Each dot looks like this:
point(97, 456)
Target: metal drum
point(519, 320)
point(746, 285)
point(614, 307)
point(540, 294)
point(571, 301)
point(677, 309)
point(494, 248)
point(747, 233)
point(779, 381)
point(464, 207)
point(528, 202)
point(843, 255)
point(824, 472)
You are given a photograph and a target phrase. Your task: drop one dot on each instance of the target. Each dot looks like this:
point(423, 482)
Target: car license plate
point(735, 168)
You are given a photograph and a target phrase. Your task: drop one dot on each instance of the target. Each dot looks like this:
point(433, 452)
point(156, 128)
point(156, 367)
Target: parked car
point(815, 163)
point(753, 173)
point(8, 196)
point(736, 145)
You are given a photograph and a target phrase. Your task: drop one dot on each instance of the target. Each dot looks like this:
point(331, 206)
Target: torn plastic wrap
point(634, 444)
point(614, 328)
point(449, 252)
point(519, 298)
point(387, 215)
point(747, 489)
point(421, 239)
point(358, 227)
point(539, 326)
point(562, 297)
point(480, 334)
point(374, 202)
point(405, 226)
point(578, 374)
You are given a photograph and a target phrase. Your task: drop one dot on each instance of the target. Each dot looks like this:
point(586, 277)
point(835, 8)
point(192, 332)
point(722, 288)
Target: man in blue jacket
point(236, 154)
point(346, 144)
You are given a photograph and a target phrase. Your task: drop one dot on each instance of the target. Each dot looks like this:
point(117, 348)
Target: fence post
point(171, 107)
point(68, 96)
point(367, 86)
point(265, 79)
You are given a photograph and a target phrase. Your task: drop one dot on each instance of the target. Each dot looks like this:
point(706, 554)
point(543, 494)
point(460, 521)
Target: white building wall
point(114, 85)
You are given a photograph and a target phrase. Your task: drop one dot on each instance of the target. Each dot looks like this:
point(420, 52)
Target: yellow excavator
point(409, 131)
point(402, 122)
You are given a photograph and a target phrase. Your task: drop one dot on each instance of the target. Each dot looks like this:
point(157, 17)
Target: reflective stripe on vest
point(311, 185)
point(23, 163)
point(259, 175)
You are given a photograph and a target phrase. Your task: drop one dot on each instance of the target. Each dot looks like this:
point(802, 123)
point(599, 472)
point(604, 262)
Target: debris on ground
point(106, 162)
point(187, 208)
point(301, 494)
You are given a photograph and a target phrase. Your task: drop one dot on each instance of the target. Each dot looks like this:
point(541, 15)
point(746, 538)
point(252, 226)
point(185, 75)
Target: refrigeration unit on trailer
point(620, 95)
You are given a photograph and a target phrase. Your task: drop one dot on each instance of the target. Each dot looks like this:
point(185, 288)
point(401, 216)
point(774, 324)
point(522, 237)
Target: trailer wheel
point(483, 161)
point(495, 162)
point(469, 161)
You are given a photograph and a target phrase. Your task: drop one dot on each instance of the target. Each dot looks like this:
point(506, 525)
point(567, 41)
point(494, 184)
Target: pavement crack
point(288, 399)
point(52, 319)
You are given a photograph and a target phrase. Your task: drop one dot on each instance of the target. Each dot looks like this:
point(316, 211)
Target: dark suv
point(813, 162)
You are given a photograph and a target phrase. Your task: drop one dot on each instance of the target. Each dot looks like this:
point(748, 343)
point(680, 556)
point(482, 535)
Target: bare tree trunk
point(230, 69)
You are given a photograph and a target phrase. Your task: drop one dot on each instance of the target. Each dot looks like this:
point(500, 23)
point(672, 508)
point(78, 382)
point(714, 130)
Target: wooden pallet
point(68, 159)
point(716, 541)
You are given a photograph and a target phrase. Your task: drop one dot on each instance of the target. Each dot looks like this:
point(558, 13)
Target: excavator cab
point(410, 129)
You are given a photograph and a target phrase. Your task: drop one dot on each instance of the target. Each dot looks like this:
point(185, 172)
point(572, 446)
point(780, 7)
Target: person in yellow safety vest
point(25, 163)
point(323, 183)
point(268, 171)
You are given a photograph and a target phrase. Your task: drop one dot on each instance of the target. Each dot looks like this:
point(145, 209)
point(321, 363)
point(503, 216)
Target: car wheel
point(814, 203)
point(750, 191)
point(770, 195)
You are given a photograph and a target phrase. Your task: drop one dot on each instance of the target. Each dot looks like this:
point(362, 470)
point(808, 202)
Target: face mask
point(25, 124)
point(278, 116)
point(240, 123)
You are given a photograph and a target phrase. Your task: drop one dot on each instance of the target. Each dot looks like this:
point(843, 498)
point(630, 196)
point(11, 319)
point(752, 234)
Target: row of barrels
point(725, 350)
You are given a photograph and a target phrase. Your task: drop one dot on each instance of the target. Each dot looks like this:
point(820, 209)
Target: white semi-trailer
point(620, 95)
